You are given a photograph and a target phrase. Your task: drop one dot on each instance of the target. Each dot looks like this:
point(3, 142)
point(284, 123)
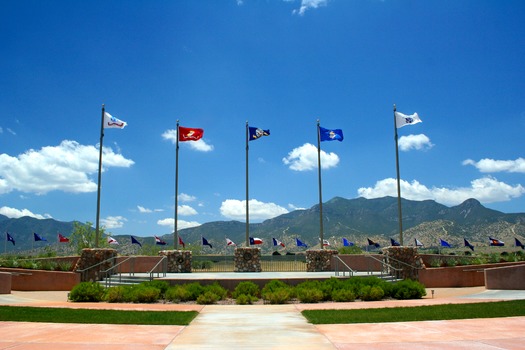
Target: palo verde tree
point(84, 235)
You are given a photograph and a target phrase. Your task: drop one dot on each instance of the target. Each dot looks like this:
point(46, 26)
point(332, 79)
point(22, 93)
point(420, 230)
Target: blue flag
point(134, 241)
point(38, 237)
point(394, 243)
point(255, 133)
point(467, 244)
point(347, 243)
point(518, 243)
point(205, 242)
point(370, 242)
point(300, 244)
point(330, 135)
point(444, 243)
point(10, 238)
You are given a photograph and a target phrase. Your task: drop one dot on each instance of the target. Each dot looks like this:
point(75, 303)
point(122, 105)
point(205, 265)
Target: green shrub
point(194, 289)
point(177, 293)
point(115, 294)
point(279, 296)
point(87, 292)
point(329, 286)
point(246, 288)
point(408, 289)
point(207, 298)
point(145, 294)
point(162, 286)
point(244, 299)
point(371, 293)
point(217, 289)
point(309, 295)
point(343, 295)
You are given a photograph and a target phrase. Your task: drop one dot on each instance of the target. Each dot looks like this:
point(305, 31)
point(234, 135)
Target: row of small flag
point(37, 238)
point(493, 242)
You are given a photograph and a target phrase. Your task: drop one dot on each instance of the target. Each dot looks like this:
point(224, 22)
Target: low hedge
point(274, 292)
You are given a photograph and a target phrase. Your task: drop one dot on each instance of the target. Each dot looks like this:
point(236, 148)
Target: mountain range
point(355, 219)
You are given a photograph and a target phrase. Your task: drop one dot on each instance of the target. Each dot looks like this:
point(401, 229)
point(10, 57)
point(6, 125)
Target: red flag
point(62, 239)
point(181, 242)
point(190, 134)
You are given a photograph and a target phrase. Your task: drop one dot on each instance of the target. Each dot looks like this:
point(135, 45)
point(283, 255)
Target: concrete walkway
point(267, 327)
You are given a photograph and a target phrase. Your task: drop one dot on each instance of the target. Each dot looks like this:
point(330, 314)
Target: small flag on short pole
point(10, 238)
point(300, 243)
point(496, 242)
point(394, 243)
point(277, 242)
point(347, 243)
point(135, 241)
point(229, 242)
point(112, 240)
point(62, 239)
point(38, 237)
point(467, 244)
point(159, 241)
point(517, 241)
point(444, 243)
point(205, 242)
point(417, 243)
point(375, 244)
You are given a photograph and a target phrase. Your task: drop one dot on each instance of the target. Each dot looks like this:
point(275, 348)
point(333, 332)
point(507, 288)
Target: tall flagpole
point(400, 216)
point(247, 195)
point(97, 227)
point(320, 189)
point(175, 233)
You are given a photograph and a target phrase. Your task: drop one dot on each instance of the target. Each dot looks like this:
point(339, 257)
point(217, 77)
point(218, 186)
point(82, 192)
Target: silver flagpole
point(247, 195)
point(320, 189)
point(175, 233)
point(97, 225)
point(400, 215)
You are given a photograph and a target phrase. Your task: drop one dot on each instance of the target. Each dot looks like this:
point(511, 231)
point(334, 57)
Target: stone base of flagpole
point(89, 258)
point(247, 259)
point(318, 260)
point(403, 262)
point(179, 261)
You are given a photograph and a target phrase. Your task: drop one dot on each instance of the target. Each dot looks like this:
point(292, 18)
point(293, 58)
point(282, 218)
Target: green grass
point(418, 313)
point(65, 315)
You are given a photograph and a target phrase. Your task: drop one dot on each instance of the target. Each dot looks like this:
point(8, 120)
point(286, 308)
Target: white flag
point(229, 242)
point(403, 119)
point(112, 240)
point(112, 122)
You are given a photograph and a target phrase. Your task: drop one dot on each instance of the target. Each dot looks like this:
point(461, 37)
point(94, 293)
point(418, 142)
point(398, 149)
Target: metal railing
point(108, 274)
point(83, 272)
point(164, 261)
point(338, 261)
point(226, 263)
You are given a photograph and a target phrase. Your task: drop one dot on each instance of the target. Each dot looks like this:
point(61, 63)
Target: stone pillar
point(179, 261)
point(90, 257)
point(405, 260)
point(318, 260)
point(247, 259)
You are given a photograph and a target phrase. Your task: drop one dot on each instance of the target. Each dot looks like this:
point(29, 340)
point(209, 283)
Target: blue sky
point(279, 65)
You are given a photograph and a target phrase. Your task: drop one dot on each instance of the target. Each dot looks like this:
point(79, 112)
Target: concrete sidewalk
point(268, 327)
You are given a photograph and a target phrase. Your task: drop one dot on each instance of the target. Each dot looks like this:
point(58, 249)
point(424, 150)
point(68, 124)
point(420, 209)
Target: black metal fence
point(269, 263)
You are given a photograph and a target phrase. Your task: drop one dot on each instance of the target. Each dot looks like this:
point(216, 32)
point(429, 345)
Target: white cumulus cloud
point(186, 210)
point(304, 158)
point(487, 165)
point(416, 142)
point(486, 190)
point(111, 222)
point(199, 145)
point(18, 213)
point(309, 4)
point(181, 224)
point(66, 167)
point(236, 209)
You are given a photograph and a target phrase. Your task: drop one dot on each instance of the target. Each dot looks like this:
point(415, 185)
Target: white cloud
point(147, 210)
point(293, 207)
point(186, 210)
point(17, 213)
point(304, 158)
point(486, 190)
point(494, 166)
point(200, 145)
point(309, 4)
point(181, 224)
point(65, 167)
point(236, 209)
point(183, 197)
point(113, 222)
point(417, 142)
